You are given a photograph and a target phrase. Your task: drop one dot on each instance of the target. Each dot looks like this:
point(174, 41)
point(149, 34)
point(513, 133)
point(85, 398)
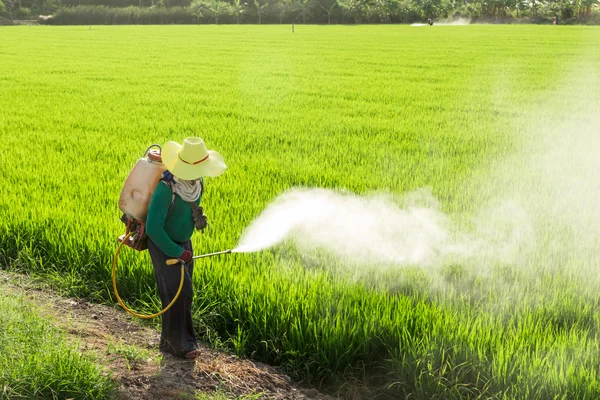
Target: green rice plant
point(133, 355)
point(37, 363)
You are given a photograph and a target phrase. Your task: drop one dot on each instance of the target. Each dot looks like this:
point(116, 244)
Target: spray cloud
point(544, 211)
point(375, 229)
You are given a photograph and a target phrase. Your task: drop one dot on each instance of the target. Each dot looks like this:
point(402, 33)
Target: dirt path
point(129, 351)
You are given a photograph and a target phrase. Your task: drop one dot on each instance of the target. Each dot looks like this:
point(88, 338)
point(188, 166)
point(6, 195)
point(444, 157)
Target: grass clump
point(37, 363)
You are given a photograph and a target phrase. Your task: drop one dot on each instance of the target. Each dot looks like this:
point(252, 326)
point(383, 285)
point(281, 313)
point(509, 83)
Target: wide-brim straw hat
point(192, 160)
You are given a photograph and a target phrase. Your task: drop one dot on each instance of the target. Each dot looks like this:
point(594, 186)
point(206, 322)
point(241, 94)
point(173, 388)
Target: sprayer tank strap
point(170, 185)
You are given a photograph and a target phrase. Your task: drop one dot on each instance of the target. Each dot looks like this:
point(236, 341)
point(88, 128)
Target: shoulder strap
point(172, 195)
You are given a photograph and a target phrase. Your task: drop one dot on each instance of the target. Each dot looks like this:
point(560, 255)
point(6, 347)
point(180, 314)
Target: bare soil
point(128, 351)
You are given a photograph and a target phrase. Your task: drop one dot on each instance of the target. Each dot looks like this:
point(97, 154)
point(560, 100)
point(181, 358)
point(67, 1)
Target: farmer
point(172, 215)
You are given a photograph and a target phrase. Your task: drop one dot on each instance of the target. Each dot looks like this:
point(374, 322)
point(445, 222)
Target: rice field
point(498, 125)
point(37, 362)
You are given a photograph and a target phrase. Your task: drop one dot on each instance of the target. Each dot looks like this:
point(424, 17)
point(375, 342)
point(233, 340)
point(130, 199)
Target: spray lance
point(134, 202)
point(174, 261)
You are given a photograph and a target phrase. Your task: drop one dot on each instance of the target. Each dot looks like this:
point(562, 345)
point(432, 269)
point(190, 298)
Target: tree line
point(299, 11)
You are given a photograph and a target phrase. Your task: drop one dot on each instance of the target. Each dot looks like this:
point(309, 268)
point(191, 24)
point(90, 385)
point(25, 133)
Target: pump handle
point(154, 145)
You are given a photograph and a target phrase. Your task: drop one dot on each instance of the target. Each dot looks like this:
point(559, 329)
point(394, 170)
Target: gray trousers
point(177, 335)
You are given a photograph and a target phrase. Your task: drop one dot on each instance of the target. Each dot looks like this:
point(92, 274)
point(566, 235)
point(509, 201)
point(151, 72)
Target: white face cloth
point(189, 191)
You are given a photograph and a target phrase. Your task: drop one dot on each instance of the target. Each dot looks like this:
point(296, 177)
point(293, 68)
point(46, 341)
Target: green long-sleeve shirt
point(177, 226)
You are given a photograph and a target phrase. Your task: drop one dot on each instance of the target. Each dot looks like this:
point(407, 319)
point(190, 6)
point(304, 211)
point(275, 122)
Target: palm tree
point(283, 8)
point(261, 9)
point(381, 10)
point(353, 8)
point(534, 5)
point(304, 8)
point(238, 9)
point(520, 5)
point(429, 8)
point(213, 9)
point(585, 8)
point(328, 6)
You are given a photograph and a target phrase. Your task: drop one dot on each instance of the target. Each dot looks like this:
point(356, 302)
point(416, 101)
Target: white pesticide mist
point(453, 22)
point(542, 212)
point(350, 226)
point(447, 22)
point(374, 229)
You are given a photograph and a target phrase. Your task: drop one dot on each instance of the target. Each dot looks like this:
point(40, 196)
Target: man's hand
point(186, 257)
point(200, 220)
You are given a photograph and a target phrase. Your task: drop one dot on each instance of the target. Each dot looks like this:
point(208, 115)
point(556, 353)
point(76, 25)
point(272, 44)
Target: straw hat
point(192, 160)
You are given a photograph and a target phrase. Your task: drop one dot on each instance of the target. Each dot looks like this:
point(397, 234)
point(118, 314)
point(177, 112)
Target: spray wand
point(174, 261)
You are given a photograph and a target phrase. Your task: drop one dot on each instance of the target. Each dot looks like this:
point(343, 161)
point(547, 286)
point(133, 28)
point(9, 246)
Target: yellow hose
point(114, 280)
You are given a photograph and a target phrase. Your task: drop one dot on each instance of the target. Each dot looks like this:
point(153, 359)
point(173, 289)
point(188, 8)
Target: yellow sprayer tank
point(140, 184)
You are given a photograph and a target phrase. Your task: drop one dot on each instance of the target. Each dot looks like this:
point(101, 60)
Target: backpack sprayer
point(134, 202)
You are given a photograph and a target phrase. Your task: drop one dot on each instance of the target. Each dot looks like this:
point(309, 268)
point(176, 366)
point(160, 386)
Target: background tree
point(304, 9)
point(328, 6)
point(520, 6)
point(584, 7)
point(503, 7)
point(381, 10)
point(282, 9)
point(12, 6)
point(534, 7)
point(403, 11)
point(171, 3)
point(353, 8)
point(238, 9)
point(564, 8)
point(196, 9)
point(209, 8)
point(44, 7)
point(429, 8)
point(3, 12)
point(261, 10)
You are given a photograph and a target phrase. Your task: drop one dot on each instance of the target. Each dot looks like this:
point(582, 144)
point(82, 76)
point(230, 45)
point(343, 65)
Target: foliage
point(21, 13)
point(211, 9)
point(343, 11)
point(100, 15)
point(353, 8)
point(45, 7)
point(282, 9)
point(261, 9)
point(304, 9)
point(238, 10)
point(328, 6)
